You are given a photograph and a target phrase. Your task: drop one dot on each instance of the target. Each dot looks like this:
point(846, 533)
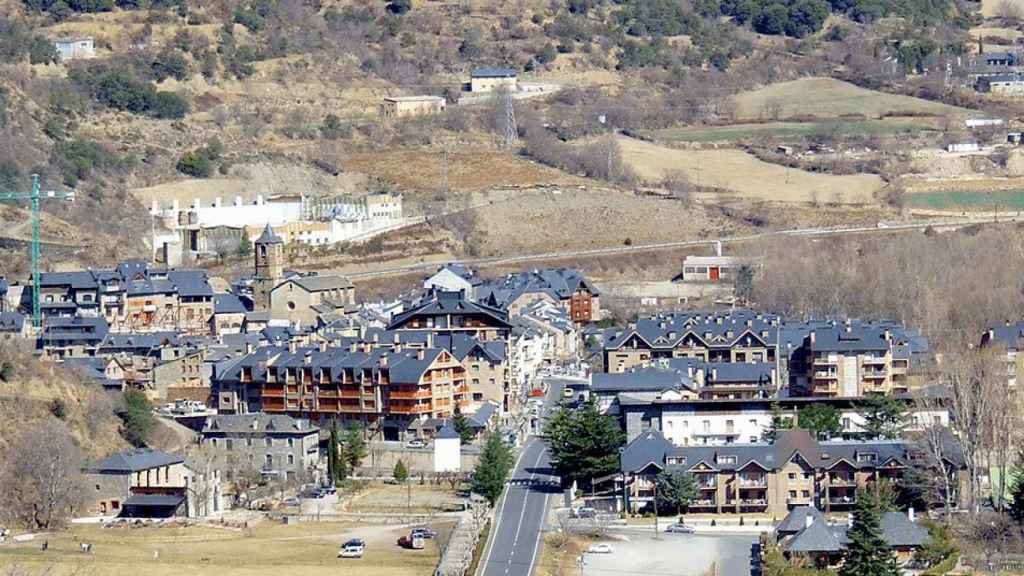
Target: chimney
point(291, 346)
point(808, 520)
point(398, 339)
point(383, 360)
point(238, 200)
point(718, 247)
point(352, 348)
point(323, 345)
point(216, 202)
point(812, 336)
point(714, 374)
point(259, 199)
point(849, 520)
point(888, 335)
point(154, 207)
point(248, 347)
point(174, 206)
point(910, 514)
point(419, 354)
point(255, 424)
point(376, 337)
point(197, 203)
point(308, 358)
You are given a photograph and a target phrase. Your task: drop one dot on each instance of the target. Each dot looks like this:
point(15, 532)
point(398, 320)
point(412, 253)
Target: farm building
point(75, 48)
point(1001, 84)
point(489, 79)
point(407, 106)
point(711, 268)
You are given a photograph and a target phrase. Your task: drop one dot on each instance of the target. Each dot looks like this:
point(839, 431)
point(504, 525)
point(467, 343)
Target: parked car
point(680, 528)
point(585, 512)
point(416, 443)
point(292, 501)
point(423, 532)
point(354, 542)
point(415, 543)
point(600, 548)
point(352, 549)
point(329, 489)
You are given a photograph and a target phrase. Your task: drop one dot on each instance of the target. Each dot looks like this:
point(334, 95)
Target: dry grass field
point(991, 8)
point(750, 178)
point(827, 97)
point(416, 498)
point(269, 549)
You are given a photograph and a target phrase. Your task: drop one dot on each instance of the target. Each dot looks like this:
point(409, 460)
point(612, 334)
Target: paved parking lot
point(674, 555)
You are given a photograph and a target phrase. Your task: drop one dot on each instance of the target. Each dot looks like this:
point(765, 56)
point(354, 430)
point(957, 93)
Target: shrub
point(76, 159)
point(195, 163)
point(170, 64)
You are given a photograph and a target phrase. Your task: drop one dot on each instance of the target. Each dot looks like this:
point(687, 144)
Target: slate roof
point(772, 456)
point(461, 345)
point(258, 424)
point(818, 537)
point(321, 283)
point(558, 283)
point(268, 236)
point(448, 431)
point(493, 73)
point(737, 372)
point(440, 303)
point(135, 460)
point(12, 321)
point(3, 285)
point(796, 520)
point(462, 272)
point(227, 304)
point(1008, 334)
point(483, 415)
point(78, 280)
point(646, 379)
point(710, 329)
point(86, 330)
point(408, 367)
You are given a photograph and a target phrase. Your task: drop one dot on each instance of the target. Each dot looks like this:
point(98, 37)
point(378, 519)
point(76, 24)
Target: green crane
point(33, 197)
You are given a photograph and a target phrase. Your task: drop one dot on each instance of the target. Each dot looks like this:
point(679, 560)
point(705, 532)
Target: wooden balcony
point(424, 408)
point(410, 395)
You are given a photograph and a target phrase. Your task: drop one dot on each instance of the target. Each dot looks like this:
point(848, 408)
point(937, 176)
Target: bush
point(76, 159)
point(170, 64)
point(137, 421)
point(195, 163)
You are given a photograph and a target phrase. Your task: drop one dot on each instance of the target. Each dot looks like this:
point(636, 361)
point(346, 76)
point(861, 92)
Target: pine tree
point(354, 449)
point(492, 469)
point(461, 425)
point(779, 423)
point(401, 473)
point(1017, 495)
point(584, 443)
point(332, 456)
point(676, 489)
point(867, 554)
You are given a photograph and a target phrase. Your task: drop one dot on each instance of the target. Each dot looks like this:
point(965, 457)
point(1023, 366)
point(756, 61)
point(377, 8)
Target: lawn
point(963, 200)
point(827, 97)
point(271, 549)
point(793, 130)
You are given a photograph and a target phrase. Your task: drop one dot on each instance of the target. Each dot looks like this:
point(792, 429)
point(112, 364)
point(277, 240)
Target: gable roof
point(818, 537)
point(796, 520)
point(258, 423)
point(440, 303)
point(650, 447)
point(899, 532)
point(321, 283)
point(493, 73)
point(228, 304)
point(135, 460)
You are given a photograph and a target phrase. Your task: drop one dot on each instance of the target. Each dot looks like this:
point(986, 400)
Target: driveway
point(674, 555)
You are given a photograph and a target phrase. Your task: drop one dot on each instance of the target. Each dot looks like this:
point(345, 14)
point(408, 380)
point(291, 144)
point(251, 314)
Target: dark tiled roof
point(440, 304)
point(818, 537)
point(651, 379)
point(227, 304)
point(156, 500)
point(268, 237)
point(483, 415)
point(448, 431)
point(796, 520)
point(899, 532)
point(258, 424)
point(558, 283)
point(135, 460)
point(12, 321)
point(321, 283)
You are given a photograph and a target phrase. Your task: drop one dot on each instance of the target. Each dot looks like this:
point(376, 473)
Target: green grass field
point(793, 130)
point(962, 200)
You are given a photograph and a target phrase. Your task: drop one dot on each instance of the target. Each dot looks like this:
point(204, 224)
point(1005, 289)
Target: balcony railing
point(841, 481)
point(842, 500)
point(798, 499)
point(754, 483)
point(753, 502)
point(702, 503)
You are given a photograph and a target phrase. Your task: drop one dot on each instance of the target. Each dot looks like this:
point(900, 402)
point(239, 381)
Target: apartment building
point(770, 478)
point(275, 444)
point(1007, 337)
point(452, 312)
point(565, 287)
point(383, 389)
point(732, 336)
point(132, 297)
point(686, 421)
point(853, 359)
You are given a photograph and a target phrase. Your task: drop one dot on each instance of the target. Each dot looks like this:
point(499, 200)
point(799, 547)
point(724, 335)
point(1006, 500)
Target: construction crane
point(33, 197)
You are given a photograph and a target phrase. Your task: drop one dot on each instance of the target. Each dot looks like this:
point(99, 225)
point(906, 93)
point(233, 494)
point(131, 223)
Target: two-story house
point(274, 444)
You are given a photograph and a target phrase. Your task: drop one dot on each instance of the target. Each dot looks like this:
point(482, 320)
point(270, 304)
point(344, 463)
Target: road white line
point(536, 543)
point(526, 498)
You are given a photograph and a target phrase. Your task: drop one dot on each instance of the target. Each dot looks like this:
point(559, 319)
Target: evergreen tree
point(820, 420)
point(492, 469)
point(332, 456)
point(884, 417)
point(676, 489)
point(867, 553)
point(401, 473)
point(461, 425)
point(779, 423)
point(137, 420)
point(1017, 495)
point(584, 444)
point(354, 449)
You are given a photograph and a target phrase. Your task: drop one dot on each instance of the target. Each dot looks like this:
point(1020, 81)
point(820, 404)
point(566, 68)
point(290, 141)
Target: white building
point(75, 48)
point(447, 450)
point(454, 278)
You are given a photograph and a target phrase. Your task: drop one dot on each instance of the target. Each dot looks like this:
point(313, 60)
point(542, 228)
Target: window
point(792, 476)
point(867, 457)
point(846, 424)
point(291, 459)
point(269, 461)
point(291, 442)
point(269, 442)
point(229, 444)
point(726, 459)
point(792, 493)
point(248, 442)
point(806, 493)
point(707, 426)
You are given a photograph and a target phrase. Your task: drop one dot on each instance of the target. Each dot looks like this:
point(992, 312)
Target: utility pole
point(34, 196)
point(655, 508)
point(511, 130)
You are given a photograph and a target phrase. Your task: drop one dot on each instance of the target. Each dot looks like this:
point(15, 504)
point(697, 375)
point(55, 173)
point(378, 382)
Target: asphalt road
point(515, 543)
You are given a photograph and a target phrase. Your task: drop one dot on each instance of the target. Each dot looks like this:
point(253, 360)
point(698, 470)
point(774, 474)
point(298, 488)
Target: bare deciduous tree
point(41, 477)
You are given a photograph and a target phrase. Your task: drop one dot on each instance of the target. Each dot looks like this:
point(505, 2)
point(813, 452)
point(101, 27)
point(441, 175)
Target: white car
point(600, 549)
point(351, 552)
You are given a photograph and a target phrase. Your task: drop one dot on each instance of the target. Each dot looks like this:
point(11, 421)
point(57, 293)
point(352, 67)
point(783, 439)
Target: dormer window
point(676, 460)
point(867, 457)
point(723, 459)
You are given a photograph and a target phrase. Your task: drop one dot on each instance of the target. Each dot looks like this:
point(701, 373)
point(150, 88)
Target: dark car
point(354, 542)
point(424, 532)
